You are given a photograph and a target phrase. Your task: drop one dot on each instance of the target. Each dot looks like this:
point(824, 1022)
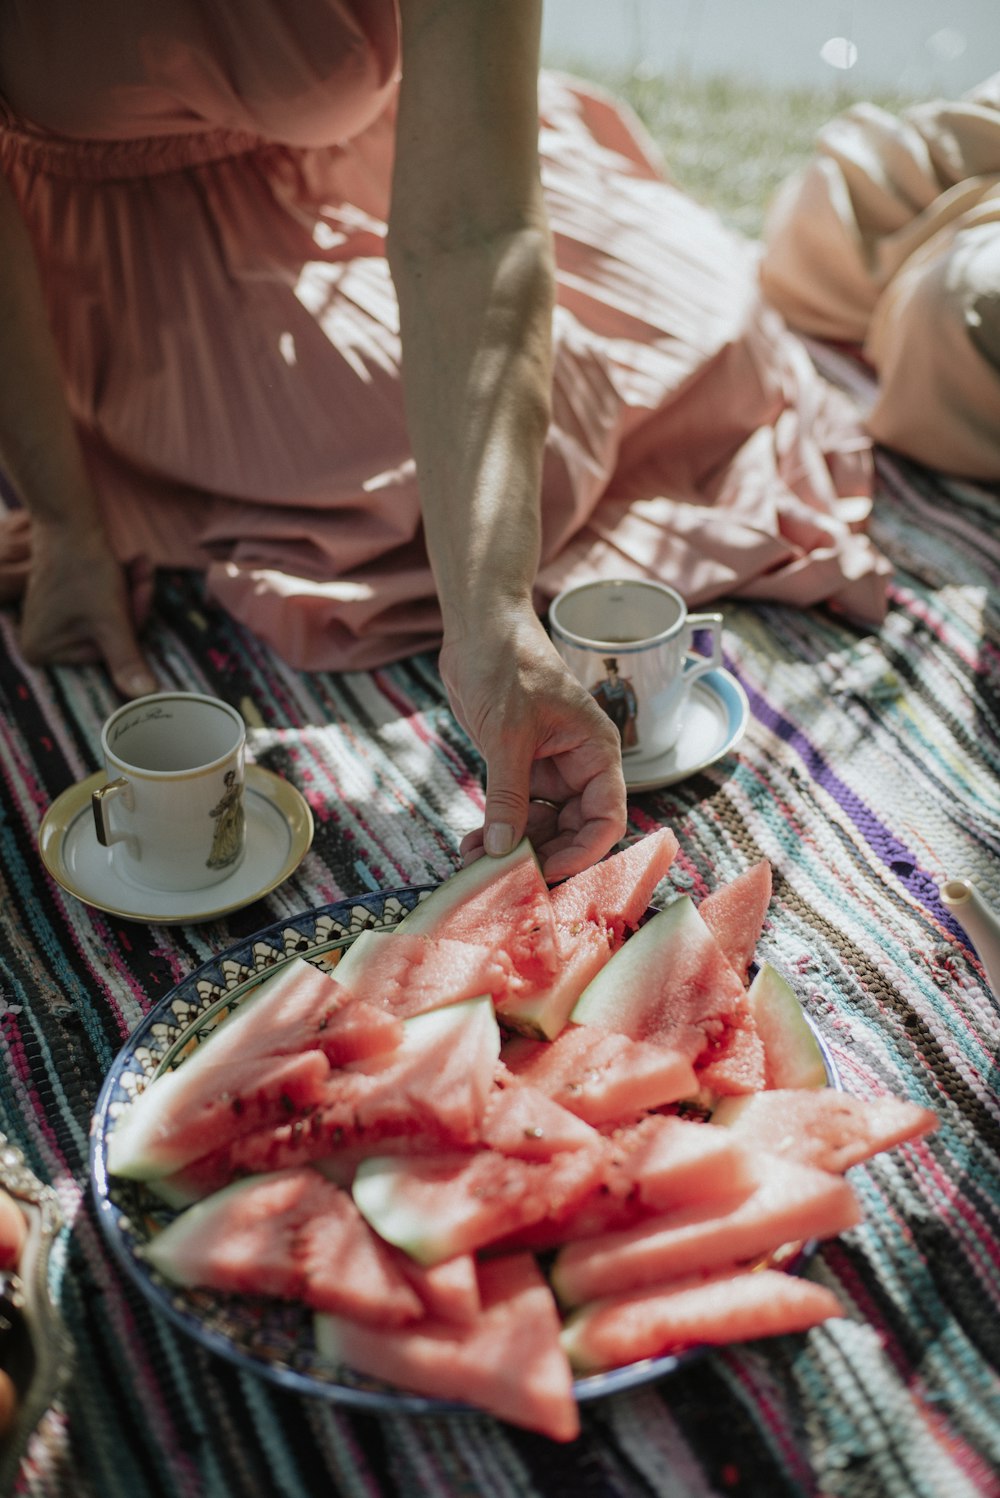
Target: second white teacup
point(629, 642)
point(172, 811)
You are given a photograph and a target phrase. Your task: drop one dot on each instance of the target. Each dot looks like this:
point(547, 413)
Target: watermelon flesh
point(790, 1203)
point(265, 1060)
point(293, 1235)
point(734, 1061)
point(438, 1206)
point(614, 894)
point(671, 1162)
point(408, 974)
point(434, 1090)
point(822, 1127)
point(714, 1309)
point(735, 912)
point(657, 1164)
point(501, 903)
point(602, 1077)
point(448, 1291)
point(594, 910)
point(669, 984)
point(509, 1362)
point(521, 1120)
point(542, 1010)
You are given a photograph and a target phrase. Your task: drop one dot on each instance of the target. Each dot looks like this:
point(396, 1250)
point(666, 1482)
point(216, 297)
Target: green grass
point(727, 142)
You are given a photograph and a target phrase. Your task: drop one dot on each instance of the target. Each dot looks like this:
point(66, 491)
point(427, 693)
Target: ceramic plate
point(715, 720)
point(279, 834)
point(272, 1338)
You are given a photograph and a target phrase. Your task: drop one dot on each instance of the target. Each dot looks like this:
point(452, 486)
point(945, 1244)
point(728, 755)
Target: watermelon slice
point(508, 1362)
point(293, 1235)
point(267, 1059)
point(822, 1127)
point(499, 903)
point(434, 1090)
point(735, 912)
point(719, 1308)
point(734, 1062)
point(792, 1057)
point(434, 1208)
point(449, 1291)
point(672, 1162)
point(167, 1125)
point(521, 1120)
point(614, 894)
point(790, 1203)
point(408, 974)
point(602, 1078)
point(669, 984)
point(593, 911)
point(654, 1165)
point(542, 1010)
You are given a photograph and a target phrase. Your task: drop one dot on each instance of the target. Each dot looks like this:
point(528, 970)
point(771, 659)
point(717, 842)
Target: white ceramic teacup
point(172, 811)
point(629, 642)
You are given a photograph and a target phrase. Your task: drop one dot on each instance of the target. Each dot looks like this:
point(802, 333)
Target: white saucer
point(714, 722)
point(279, 833)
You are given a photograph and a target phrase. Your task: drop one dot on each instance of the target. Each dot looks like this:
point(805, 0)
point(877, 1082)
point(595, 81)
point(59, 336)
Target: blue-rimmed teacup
point(631, 643)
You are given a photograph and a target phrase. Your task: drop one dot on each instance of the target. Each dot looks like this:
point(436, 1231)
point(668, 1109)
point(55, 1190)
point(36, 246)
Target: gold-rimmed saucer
point(279, 834)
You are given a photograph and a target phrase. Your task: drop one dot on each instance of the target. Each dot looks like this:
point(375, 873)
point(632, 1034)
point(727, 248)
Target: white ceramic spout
point(980, 921)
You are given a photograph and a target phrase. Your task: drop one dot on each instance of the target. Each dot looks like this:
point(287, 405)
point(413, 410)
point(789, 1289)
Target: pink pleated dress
point(207, 190)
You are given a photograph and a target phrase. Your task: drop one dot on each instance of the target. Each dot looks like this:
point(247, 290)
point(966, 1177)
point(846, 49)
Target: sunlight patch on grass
point(727, 142)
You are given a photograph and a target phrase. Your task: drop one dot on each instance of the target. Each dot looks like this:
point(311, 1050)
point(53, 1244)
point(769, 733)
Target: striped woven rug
point(869, 773)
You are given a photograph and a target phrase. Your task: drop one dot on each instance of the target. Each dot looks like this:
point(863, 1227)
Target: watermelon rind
point(731, 1305)
point(634, 994)
point(168, 1251)
point(542, 1012)
point(792, 1056)
point(465, 883)
point(355, 957)
point(509, 1361)
point(136, 1148)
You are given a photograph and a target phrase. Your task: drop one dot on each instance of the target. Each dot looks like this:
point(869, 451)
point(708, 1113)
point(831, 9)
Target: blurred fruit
point(8, 1404)
point(13, 1231)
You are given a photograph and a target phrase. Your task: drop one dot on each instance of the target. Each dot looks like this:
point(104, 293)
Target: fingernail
point(138, 684)
point(499, 839)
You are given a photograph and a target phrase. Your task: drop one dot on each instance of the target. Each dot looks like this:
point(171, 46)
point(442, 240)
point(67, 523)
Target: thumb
point(127, 666)
point(506, 817)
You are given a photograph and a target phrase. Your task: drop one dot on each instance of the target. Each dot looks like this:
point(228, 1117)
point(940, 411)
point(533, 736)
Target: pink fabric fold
point(230, 339)
point(890, 238)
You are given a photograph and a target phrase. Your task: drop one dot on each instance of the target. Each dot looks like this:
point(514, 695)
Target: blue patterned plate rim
point(274, 1339)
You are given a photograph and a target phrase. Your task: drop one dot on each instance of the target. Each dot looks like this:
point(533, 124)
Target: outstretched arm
point(471, 258)
point(76, 606)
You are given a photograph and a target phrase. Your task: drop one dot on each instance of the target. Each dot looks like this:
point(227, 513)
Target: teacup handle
point(713, 624)
point(103, 794)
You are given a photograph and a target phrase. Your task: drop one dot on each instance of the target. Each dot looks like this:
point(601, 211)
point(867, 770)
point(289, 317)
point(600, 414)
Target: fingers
point(570, 831)
point(126, 664)
point(508, 769)
point(15, 555)
point(142, 587)
point(542, 828)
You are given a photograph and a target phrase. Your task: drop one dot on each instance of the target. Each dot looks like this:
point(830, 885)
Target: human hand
point(77, 604)
point(553, 758)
